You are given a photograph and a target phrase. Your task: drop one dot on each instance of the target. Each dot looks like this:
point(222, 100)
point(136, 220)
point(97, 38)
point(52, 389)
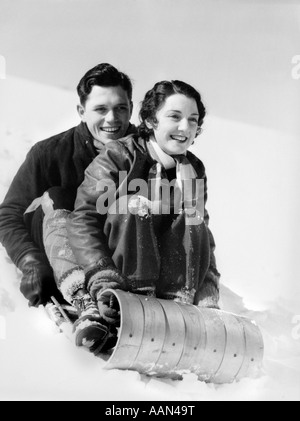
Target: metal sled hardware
point(167, 339)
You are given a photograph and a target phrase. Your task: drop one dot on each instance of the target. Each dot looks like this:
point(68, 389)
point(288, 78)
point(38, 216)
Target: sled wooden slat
point(195, 339)
point(215, 344)
point(234, 349)
point(131, 331)
point(254, 350)
point(174, 340)
point(153, 336)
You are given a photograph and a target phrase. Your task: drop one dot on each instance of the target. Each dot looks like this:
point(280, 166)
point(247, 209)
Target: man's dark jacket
point(57, 161)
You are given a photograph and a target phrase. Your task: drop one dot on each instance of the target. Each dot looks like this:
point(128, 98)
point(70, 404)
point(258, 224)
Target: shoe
point(88, 329)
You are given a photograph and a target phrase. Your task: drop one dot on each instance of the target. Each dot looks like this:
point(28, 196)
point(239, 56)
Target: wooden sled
point(167, 339)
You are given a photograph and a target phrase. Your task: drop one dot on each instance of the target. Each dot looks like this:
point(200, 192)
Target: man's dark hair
point(156, 97)
point(106, 75)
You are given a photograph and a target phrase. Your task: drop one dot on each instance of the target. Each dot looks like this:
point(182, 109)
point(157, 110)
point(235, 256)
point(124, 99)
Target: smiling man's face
point(106, 112)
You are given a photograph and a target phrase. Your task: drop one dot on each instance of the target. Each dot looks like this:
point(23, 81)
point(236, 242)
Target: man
point(59, 162)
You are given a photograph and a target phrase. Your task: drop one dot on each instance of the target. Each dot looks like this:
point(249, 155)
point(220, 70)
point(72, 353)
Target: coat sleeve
point(209, 278)
point(86, 223)
point(25, 187)
point(208, 289)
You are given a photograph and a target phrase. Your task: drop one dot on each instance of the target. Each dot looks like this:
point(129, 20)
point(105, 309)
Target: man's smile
point(110, 129)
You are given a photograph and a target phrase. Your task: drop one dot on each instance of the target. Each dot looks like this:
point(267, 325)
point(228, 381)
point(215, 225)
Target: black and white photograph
point(149, 202)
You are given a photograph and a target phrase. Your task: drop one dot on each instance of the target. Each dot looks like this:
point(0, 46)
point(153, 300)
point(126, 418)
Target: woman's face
point(177, 124)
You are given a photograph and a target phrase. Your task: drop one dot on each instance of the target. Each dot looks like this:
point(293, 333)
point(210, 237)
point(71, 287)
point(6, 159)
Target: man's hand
point(208, 295)
point(37, 283)
point(209, 302)
point(109, 278)
point(109, 309)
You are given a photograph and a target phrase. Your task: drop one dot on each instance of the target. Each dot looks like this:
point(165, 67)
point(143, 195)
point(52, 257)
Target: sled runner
point(60, 314)
point(167, 339)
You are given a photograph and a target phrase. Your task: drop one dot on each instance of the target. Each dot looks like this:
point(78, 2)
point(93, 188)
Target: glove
point(108, 278)
point(109, 309)
point(208, 296)
point(37, 282)
point(209, 302)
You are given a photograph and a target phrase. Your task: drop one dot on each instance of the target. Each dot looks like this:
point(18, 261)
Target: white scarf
point(185, 176)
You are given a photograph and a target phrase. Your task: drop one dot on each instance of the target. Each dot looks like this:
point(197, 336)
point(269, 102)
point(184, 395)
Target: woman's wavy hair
point(156, 97)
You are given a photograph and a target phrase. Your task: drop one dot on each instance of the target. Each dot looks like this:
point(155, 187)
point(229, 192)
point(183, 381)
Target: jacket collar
point(141, 145)
point(84, 133)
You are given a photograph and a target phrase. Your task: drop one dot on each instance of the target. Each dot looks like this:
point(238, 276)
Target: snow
point(253, 178)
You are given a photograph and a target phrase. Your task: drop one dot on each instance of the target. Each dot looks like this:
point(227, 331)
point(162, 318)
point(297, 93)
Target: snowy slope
point(253, 213)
